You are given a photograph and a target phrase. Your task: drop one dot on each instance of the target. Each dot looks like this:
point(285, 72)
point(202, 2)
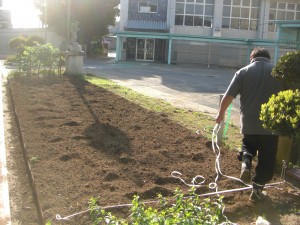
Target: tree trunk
point(295, 152)
point(284, 150)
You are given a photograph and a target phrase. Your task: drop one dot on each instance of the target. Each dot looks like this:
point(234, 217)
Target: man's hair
point(260, 52)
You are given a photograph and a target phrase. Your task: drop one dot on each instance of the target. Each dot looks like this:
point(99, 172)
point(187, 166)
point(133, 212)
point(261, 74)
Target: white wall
point(236, 33)
point(123, 14)
point(217, 19)
point(188, 30)
point(171, 15)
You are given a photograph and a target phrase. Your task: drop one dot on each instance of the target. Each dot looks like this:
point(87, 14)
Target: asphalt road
point(195, 87)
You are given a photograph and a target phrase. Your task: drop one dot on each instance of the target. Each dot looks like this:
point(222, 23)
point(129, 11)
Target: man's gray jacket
point(255, 85)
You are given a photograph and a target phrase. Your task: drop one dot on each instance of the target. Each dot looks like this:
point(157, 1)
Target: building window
point(148, 6)
point(240, 14)
point(197, 13)
point(282, 11)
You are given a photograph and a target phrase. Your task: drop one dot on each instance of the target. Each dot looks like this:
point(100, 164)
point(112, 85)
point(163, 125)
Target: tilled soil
point(82, 141)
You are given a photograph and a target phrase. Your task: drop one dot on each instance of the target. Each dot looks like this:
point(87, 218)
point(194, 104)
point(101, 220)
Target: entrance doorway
point(145, 49)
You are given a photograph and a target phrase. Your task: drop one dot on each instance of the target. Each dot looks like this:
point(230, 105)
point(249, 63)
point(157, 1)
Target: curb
point(5, 217)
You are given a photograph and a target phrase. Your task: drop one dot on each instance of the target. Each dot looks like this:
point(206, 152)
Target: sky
point(23, 13)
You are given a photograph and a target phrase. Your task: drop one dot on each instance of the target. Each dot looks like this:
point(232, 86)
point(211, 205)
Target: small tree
point(287, 69)
point(281, 114)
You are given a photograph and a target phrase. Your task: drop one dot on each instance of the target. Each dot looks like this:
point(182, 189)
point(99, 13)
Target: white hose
point(217, 151)
point(195, 181)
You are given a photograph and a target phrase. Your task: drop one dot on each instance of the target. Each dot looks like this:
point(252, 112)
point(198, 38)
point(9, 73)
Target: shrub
point(11, 59)
point(281, 114)
point(34, 40)
point(17, 44)
point(15, 73)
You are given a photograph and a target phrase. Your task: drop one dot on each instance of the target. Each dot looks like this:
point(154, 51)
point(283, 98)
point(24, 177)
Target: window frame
point(241, 13)
point(281, 11)
point(148, 5)
point(199, 10)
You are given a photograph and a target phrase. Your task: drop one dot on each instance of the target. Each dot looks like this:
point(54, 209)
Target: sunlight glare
point(23, 13)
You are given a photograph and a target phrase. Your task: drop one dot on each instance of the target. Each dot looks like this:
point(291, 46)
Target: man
point(255, 85)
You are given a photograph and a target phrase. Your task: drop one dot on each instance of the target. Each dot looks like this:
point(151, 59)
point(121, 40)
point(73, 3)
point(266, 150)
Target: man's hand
point(219, 118)
point(226, 101)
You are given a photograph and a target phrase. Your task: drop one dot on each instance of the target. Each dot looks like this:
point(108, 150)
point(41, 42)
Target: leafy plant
point(281, 114)
point(288, 68)
point(185, 210)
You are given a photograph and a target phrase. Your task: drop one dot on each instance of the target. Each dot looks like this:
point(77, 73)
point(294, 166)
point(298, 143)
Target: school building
point(212, 32)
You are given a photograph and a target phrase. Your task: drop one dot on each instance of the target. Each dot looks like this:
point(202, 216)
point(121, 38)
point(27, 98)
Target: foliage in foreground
point(36, 58)
point(185, 210)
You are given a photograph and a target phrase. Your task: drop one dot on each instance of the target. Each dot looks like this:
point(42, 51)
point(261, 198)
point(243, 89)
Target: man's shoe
point(240, 155)
point(245, 173)
point(258, 195)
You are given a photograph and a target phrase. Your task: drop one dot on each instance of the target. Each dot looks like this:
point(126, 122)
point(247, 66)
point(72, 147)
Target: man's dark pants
point(265, 146)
